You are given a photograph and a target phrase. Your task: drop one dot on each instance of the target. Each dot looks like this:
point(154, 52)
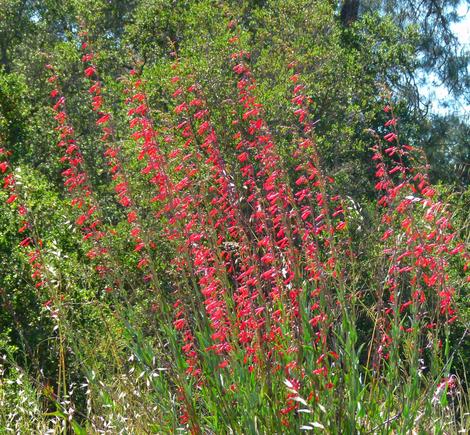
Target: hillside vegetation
point(232, 217)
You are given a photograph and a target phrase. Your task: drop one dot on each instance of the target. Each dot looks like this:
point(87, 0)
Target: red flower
point(11, 198)
point(26, 242)
point(90, 71)
point(81, 220)
point(223, 364)
point(243, 157)
point(103, 119)
point(131, 216)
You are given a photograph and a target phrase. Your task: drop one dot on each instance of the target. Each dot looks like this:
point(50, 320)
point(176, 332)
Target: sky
point(462, 29)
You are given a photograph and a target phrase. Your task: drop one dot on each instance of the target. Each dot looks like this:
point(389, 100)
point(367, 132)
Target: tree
point(439, 49)
point(15, 22)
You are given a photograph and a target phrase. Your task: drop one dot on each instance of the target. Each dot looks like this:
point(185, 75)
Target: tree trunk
point(4, 56)
point(349, 12)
